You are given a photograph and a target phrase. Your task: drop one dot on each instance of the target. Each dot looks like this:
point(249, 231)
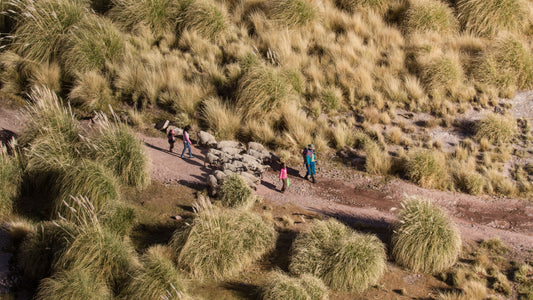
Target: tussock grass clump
point(341, 135)
point(358, 263)
point(73, 284)
point(293, 12)
point(281, 286)
point(43, 246)
point(468, 181)
point(425, 239)
point(496, 128)
point(43, 27)
point(221, 118)
point(429, 15)
point(10, 180)
point(102, 253)
point(488, 17)
point(118, 217)
point(17, 72)
point(157, 278)
point(118, 148)
point(426, 168)
point(88, 179)
point(235, 192)
point(377, 161)
point(91, 91)
point(352, 5)
point(159, 15)
point(507, 63)
point(222, 242)
point(471, 290)
point(205, 17)
point(261, 90)
point(93, 42)
point(441, 72)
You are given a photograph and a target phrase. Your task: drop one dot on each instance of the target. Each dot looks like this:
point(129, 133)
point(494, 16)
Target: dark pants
point(284, 184)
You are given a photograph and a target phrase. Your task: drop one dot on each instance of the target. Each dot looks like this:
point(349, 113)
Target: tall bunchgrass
point(293, 12)
point(88, 179)
point(117, 147)
point(17, 72)
point(281, 286)
point(208, 18)
point(235, 192)
point(220, 242)
point(506, 63)
point(159, 15)
point(377, 161)
point(102, 253)
point(261, 90)
point(43, 27)
point(352, 5)
point(425, 239)
point(118, 217)
point(221, 118)
point(157, 277)
point(429, 15)
point(93, 42)
point(297, 127)
point(468, 180)
point(11, 169)
point(441, 72)
point(92, 92)
point(41, 248)
point(497, 129)
point(426, 168)
point(75, 283)
point(342, 258)
point(488, 17)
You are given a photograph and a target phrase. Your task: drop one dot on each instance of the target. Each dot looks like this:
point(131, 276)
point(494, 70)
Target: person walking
point(171, 140)
point(284, 177)
point(186, 142)
point(310, 162)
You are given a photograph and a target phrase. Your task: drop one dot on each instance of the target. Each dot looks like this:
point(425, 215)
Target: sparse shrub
point(205, 17)
point(497, 129)
point(221, 118)
point(118, 148)
point(159, 15)
point(358, 263)
point(75, 283)
point(488, 17)
point(352, 5)
point(293, 12)
point(377, 161)
point(92, 43)
point(222, 242)
point(429, 15)
point(425, 239)
point(42, 247)
point(44, 26)
point(426, 168)
point(158, 276)
point(91, 91)
point(236, 193)
point(10, 180)
point(102, 253)
point(261, 90)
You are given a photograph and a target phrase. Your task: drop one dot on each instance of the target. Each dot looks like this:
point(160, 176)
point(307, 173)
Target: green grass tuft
point(158, 277)
point(10, 180)
point(293, 12)
point(496, 128)
point(426, 168)
point(425, 239)
point(222, 242)
point(342, 258)
point(281, 286)
point(488, 17)
point(42, 247)
point(118, 148)
point(91, 92)
point(118, 217)
point(205, 17)
point(236, 193)
point(159, 15)
point(352, 5)
point(74, 284)
point(429, 15)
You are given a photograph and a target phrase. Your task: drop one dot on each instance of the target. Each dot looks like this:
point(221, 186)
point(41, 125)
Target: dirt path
point(359, 200)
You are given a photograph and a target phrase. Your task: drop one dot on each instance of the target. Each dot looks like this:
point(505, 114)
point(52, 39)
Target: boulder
point(228, 144)
point(206, 139)
point(256, 146)
point(231, 150)
point(162, 125)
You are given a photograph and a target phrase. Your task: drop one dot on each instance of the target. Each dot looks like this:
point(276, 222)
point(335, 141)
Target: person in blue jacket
point(310, 162)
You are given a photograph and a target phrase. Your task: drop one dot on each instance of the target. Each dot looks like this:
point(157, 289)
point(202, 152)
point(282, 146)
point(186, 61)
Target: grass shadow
point(280, 256)
point(246, 291)
point(145, 235)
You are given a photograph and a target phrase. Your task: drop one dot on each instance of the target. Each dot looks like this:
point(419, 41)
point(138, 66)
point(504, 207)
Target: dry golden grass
point(221, 118)
point(429, 15)
point(91, 91)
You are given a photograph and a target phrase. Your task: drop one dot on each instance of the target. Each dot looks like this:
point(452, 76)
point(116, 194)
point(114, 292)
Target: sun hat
point(311, 146)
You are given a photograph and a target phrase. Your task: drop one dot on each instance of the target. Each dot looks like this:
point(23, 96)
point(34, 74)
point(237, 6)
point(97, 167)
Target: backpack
point(171, 135)
point(304, 152)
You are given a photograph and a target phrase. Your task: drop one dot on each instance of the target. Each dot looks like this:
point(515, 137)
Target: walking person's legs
point(308, 171)
point(284, 184)
point(189, 147)
point(184, 149)
point(312, 167)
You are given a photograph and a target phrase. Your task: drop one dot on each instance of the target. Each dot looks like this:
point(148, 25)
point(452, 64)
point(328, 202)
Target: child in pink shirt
point(284, 178)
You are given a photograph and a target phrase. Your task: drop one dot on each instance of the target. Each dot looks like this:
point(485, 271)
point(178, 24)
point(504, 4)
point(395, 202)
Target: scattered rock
point(162, 125)
point(206, 139)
